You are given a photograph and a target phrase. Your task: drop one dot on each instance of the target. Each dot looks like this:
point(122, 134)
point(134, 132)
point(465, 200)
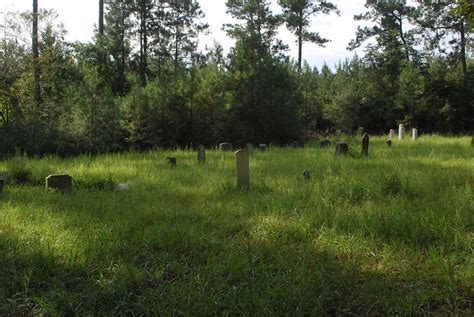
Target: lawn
point(387, 234)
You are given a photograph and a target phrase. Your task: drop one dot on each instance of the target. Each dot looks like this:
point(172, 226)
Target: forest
point(142, 83)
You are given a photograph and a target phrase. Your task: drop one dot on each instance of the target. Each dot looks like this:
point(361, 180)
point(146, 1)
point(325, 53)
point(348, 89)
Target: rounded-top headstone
point(226, 146)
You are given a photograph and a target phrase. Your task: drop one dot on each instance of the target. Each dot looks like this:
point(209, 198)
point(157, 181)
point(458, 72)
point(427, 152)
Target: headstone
point(401, 132)
point(2, 183)
point(242, 169)
point(414, 134)
point(121, 187)
point(472, 140)
point(262, 147)
point(342, 148)
point(250, 148)
point(226, 146)
point(59, 182)
point(171, 161)
point(306, 175)
point(201, 154)
point(325, 143)
point(392, 134)
point(365, 144)
point(389, 143)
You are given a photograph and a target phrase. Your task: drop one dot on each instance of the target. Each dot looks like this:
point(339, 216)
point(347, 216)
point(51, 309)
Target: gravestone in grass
point(401, 132)
point(414, 134)
point(250, 148)
point(60, 182)
point(201, 154)
point(342, 148)
point(171, 161)
point(325, 143)
point(226, 146)
point(242, 169)
point(391, 134)
point(262, 147)
point(389, 143)
point(472, 140)
point(306, 175)
point(365, 144)
point(2, 183)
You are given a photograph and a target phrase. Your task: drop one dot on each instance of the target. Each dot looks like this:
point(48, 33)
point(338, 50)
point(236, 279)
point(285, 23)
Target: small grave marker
point(242, 169)
point(2, 183)
point(401, 132)
point(171, 161)
point(201, 154)
point(262, 147)
point(226, 146)
point(306, 175)
point(389, 143)
point(61, 182)
point(472, 140)
point(325, 143)
point(391, 134)
point(365, 144)
point(342, 148)
point(250, 148)
point(414, 134)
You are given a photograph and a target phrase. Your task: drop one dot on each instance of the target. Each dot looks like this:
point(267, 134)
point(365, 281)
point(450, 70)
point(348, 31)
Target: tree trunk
point(101, 54)
point(35, 46)
point(462, 30)
point(101, 17)
point(300, 49)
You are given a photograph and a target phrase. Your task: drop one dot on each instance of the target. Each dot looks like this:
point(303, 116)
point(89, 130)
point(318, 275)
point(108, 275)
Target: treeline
point(142, 83)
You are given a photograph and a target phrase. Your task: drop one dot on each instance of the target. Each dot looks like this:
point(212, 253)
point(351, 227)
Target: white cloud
point(79, 18)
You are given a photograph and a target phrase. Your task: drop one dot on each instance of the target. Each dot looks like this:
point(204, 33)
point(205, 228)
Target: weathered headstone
point(342, 148)
point(389, 143)
point(262, 147)
point(391, 134)
point(306, 175)
point(414, 134)
point(61, 182)
point(250, 148)
point(171, 161)
point(365, 144)
point(325, 143)
point(226, 146)
point(201, 154)
point(242, 169)
point(401, 132)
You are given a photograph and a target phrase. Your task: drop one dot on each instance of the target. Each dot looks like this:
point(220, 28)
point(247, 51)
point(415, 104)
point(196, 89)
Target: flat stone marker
point(262, 147)
point(389, 143)
point(171, 161)
point(121, 187)
point(242, 169)
point(401, 132)
point(201, 154)
point(325, 143)
point(250, 148)
point(342, 148)
point(61, 182)
point(414, 134)
point(391, 135)
point(365, 144)
point(226, 146)
point(306, 175)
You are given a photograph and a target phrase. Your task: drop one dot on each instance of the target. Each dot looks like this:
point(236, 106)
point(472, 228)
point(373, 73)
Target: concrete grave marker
point(61, 182)
point(365, 144)
point(242, 169)
point(401, 132)
point(342, 148)
point(226, 146)
point(391, 134)
point(414, 134)
point(201, 154)
point(171, 161)
point(325, 143)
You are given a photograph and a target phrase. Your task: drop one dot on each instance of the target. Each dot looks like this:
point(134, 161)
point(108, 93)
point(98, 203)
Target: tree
point(35, 48)
point(297, 15)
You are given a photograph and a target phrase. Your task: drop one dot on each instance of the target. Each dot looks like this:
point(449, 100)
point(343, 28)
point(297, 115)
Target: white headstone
point(392, 134)
point(414, 134)
point(401, 132)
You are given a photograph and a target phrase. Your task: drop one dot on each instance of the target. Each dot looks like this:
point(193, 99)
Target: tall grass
point(387, 234)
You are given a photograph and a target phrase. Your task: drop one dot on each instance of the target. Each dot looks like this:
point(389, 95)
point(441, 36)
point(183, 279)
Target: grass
point(390, 234)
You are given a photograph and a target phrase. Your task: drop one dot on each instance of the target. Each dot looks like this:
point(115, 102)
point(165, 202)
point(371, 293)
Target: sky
point(79, 21)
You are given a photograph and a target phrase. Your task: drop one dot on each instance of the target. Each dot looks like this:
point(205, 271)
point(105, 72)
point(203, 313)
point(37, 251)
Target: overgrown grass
point(390, 234)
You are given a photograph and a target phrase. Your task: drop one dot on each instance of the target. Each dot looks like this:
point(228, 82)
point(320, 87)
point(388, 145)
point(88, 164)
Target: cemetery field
point(387, 234)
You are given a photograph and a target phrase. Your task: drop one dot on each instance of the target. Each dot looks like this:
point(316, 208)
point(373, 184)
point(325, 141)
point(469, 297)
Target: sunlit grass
point(388, 234)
